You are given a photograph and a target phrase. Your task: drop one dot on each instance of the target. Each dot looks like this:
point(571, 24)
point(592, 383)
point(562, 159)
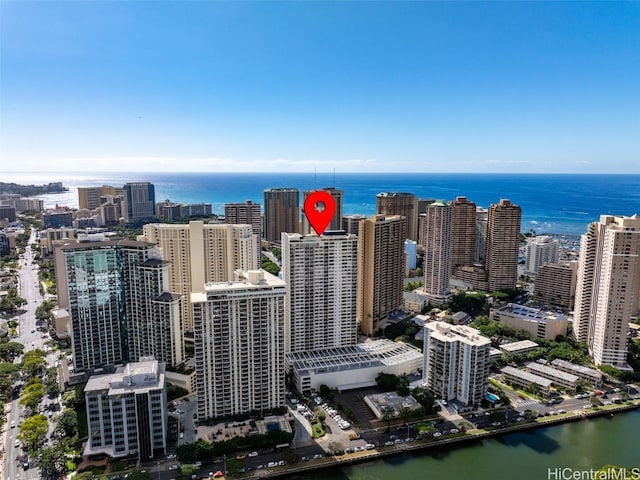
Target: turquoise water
point(550, 203)
point(529, 455)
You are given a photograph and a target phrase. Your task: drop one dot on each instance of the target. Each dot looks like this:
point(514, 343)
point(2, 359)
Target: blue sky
point(296, 86)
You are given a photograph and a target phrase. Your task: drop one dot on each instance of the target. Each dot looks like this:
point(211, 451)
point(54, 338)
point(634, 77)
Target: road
point(31, 338)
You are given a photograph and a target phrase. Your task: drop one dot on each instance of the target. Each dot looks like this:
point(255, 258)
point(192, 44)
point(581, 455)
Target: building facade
point(400, 203)
point(140, 199)
point(127, 411)
point(336, 220)
point(540, 250)
point(380, 269)
point(118, 303)
point(281, 212)
point(456, 362)
point(537, 322)
point(351, 223)
point(436, 224)
point(555, 284)
point(321, 276)
point(200, 252)
point(240, 345)
point(607, 294)
point(503, 241)
point(90, 197)
point(463, 232)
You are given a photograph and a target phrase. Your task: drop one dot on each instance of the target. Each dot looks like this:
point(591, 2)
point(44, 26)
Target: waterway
point(578, 446)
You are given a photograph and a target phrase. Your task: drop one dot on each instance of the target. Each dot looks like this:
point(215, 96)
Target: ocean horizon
point(551, 203)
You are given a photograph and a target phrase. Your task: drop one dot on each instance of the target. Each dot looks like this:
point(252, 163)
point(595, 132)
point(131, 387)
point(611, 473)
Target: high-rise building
point(321, 277)
point(456, 362)
point(281, 212)
point(240, 345)
point(89, 197)
point(463, 232)
point(503, 241)
point(380, 269)
point(127, 411)
point(540, 250)
point(8, 213)
point(336, 220)
point(111, 209)
point(608, 287)
point(119, 306)
point(351, 223)
point(555, 284)
point(140, 201)
point(199, 252)
point(247, 213)
point(482, 222)
point(400, 203)
point(436, 224)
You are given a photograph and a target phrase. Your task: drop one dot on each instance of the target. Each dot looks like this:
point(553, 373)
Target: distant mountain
point(32, 190)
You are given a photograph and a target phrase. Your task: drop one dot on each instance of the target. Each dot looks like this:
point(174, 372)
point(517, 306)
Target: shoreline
point(373, 455)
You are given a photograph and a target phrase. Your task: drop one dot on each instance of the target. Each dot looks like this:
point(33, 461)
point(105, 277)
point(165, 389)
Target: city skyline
point(376, 87)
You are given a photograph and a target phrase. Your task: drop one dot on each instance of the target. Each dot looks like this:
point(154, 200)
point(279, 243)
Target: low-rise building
point(591, 375)
point(526, 380)
point(523, 346)
point(353, 366)
point(538, 323)
point(127, 411)
point(558, 378)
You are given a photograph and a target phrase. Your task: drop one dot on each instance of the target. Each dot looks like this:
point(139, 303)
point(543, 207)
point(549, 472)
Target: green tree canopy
point(32, 429)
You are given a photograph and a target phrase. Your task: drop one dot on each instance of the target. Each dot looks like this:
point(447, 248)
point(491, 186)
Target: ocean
point(561, 204)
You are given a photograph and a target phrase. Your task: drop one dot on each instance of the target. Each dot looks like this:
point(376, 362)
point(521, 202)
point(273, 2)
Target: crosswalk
point(526, 403)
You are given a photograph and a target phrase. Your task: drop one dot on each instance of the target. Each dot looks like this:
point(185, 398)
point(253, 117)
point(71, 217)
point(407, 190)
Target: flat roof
point(363, 355)
point(528, 313)
point(527, 376)
point(517, 346)
point(552, 372)
point(445, 332)
point(591, 372)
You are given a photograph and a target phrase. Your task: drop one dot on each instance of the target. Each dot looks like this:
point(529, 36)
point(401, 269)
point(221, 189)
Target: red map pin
point(319, 208)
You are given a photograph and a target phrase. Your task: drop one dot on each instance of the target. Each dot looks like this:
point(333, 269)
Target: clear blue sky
point(293, 86)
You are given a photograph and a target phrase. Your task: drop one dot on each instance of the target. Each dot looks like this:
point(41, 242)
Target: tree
point(67, 423)
point(33, 362)
point(9, 351)
point(425, 398)
point(387, 381)
point(53, 460)
point(387, 415)
point(32, 394)
point(73, 397)
point(32, 429)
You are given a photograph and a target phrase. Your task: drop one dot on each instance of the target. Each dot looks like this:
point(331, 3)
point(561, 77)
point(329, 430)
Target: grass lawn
point(317, 430)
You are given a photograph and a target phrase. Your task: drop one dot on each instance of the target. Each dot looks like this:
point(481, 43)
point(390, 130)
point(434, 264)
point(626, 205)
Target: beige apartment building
point(381, 269)
point(199, 253)
point(555, 284)
point(89, 197)
point(400, 203)
point(537, 322)
point(607, 294)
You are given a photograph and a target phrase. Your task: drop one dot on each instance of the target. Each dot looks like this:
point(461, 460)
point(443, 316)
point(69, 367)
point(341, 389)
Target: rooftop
point(529, 313)
point(518, 346)
point(527, 376)
point(592, 372)
point(552, 372)
point(369, 354)
point(446, 332)
point(145, 375)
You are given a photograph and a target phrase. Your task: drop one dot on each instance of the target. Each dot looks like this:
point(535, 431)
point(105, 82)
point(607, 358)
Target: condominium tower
point(436, 225)
point(336, 220)
point(140, 200)
point(127, 411)
point(321, 276)
point(199, 252)
point(503, 241)
point(281, 212)
point(456, 362)
point(540, 250)
point(400, 203)
point(607, 291)
point(90, 197)
point(463, 232)
point(240, 345)
point(119, 303)
point(380, 269)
